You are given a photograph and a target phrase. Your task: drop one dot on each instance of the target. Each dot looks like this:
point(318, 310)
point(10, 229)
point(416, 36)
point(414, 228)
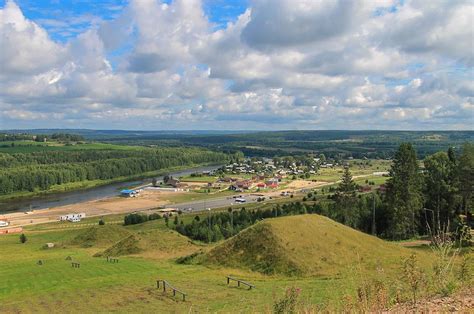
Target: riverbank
point(85, 185)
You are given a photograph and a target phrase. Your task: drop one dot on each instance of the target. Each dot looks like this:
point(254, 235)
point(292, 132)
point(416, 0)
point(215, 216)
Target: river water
point(79, 196)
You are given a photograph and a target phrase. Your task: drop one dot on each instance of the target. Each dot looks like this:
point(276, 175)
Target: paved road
point(212, 203)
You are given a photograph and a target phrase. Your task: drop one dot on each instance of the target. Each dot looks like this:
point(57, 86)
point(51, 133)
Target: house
point(72, 217)
point(227, 179)
point(272, 183)
point(173, 182)
point(261, 185)
point(11, 230)
point(244, 184)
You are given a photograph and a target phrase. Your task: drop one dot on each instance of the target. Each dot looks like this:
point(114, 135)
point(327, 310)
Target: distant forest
point(343, 144)
point(38, 171)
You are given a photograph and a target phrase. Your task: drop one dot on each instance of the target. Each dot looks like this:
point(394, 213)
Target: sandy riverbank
point(114, 205)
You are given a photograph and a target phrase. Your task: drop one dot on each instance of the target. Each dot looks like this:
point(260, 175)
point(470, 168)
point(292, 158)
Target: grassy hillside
point(100, 236)
point(305, 245)
point(313, 246)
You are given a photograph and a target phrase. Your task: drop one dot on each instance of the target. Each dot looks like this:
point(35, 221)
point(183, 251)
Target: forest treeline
point(419, 198)
point(38, 171)
point(59, 137)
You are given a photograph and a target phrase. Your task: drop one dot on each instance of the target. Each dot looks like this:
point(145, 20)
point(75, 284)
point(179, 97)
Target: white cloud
point(281, 64)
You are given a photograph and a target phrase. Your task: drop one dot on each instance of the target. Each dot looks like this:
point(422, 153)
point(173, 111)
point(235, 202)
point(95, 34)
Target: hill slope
point(305, 245)
point(100, 236)
point(151, 239)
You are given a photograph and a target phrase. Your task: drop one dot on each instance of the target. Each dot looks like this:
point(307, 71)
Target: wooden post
point(174, 292)
point(228, 280)
point(157, 284)
point(238, 283)
point(164, 286)
point(184, 297)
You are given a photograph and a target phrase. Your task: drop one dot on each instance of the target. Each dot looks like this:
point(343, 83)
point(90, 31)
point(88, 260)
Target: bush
point(23, 238)
point(288, 303)
point(101, 222)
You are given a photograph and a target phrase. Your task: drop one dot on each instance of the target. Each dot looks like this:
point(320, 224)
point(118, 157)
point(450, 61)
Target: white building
point(72, 217)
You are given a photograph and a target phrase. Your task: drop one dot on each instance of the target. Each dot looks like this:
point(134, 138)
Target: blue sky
point(65, 19)
point(216, 64)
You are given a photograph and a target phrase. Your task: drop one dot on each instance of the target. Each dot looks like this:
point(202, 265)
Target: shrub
point(288, 303)
point(413, 275)
point(101, 222)
point(23, 238)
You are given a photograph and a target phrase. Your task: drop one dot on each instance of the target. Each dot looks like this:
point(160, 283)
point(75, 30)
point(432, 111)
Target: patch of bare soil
point(462, 302)
point(106, 206)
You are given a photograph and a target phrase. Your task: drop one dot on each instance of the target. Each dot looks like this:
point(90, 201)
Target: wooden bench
point(112, 260)
point(166, 283)
point(75, 265)
point(239, 281)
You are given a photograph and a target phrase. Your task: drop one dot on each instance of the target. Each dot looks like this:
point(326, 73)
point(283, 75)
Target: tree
point(465, 171)
point(23, 238)
point(404, 198)
point(439, 188)
point(346, 200)
point(101, 222)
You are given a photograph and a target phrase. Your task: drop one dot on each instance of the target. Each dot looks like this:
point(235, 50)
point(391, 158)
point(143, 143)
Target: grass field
point(336, 269)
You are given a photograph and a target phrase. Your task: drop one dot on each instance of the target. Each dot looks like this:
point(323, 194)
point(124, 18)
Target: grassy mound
point(127, 246)
point(151, 240)
point(305, 245)
point(100, 236)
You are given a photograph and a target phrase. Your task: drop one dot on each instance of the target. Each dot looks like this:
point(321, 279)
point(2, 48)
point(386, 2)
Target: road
point(213, 203)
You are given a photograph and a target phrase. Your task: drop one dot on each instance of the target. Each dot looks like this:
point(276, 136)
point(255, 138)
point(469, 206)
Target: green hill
point(151, 240)
point(126, 246)
point(100, 236)
point(305, 245)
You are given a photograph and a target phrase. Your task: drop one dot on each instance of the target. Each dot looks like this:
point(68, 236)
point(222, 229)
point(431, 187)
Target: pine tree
point(345, 200)
point(465, 170)
point(404, 193)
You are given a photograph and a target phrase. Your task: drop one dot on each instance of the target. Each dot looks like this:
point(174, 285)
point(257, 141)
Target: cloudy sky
point(215, 64)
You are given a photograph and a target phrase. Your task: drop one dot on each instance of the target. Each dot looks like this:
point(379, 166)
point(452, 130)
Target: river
point(79, 196)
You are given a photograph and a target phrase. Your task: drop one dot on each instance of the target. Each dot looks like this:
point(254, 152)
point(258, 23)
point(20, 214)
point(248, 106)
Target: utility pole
point(209, 220)
point(231, 218)
point(374, 231)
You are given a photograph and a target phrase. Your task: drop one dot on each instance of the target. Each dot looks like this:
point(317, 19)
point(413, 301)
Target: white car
point(240, 200)
point(3, 223)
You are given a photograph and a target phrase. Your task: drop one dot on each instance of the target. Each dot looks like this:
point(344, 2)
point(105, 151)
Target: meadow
point(130, 285)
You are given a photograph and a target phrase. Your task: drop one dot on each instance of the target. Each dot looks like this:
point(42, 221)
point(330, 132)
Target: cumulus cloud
point(281, 64)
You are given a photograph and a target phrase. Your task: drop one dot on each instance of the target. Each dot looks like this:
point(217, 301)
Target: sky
point(237, 65)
